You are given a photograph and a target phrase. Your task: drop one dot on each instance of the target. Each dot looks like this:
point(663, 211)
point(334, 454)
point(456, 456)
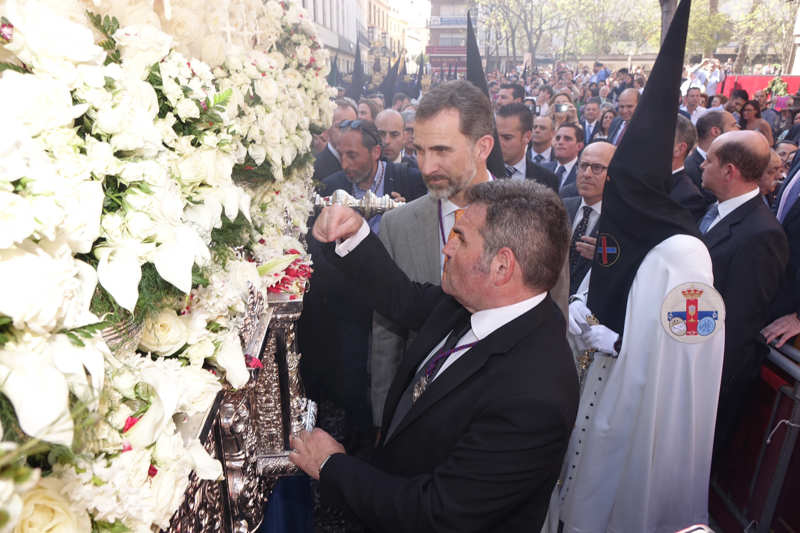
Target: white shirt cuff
point(348, 245)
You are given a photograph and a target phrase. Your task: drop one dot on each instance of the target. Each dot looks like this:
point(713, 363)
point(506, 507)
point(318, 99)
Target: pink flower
point(126, 447)
point(252, 362)
point(129, 423)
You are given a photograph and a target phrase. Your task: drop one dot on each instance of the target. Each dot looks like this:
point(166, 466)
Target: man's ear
point(484, 146)
point(503, 265)
point(375, 152)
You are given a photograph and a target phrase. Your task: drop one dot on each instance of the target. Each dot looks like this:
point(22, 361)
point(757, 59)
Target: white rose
point(141, 46)
point(257, 152)
point(197, 353)
point(164, 333)
point(187, 108)
point(39, 103)
point(303, 54)
point(231, 358)
point(44, 508)
point(16, 219)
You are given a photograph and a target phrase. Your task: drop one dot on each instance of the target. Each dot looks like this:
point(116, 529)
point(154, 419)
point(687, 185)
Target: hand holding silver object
point(369, 206)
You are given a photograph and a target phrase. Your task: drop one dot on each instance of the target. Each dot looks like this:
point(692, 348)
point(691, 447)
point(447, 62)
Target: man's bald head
point(390, 126)
point(747, 150)
point(628, 100)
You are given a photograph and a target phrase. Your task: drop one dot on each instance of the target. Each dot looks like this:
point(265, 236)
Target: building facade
point(339, 24)
point(447, 43)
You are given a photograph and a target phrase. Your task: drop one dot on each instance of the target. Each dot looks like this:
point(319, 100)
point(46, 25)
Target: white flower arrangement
point(145, 143)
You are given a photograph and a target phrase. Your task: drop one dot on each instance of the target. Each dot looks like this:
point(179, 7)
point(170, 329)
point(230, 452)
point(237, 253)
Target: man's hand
point(311, 449)
point(578, 312)
point(586, 246)
point(336, 222)
point(396, 196)
point(782, 329)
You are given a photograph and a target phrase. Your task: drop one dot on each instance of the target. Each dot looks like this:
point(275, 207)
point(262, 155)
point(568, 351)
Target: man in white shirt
point(692, 105)
point(749, 252)
point(542, 140)
point(390, 129)
point(479, 414)
point(567, 145)
point(584, 210)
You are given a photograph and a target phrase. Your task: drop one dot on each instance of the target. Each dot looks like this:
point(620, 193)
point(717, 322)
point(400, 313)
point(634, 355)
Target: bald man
point(628, 100)
point(749, 252)
point(391, 128)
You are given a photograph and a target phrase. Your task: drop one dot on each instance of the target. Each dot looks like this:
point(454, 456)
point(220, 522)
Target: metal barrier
point(787, 358)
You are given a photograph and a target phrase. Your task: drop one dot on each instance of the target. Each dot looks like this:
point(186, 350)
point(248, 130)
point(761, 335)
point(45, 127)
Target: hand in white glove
point(601, 339)
point(578, 312)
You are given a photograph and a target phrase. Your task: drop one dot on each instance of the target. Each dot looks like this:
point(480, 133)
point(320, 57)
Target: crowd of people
point(485, 378)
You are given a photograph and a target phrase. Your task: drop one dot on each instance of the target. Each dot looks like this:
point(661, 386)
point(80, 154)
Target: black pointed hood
point(354, 91)
point(333, 75)
point(389, 84)
point(476, 76)
point(638, 213)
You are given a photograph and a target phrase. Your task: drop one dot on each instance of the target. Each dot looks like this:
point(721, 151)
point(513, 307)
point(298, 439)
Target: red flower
point(152, 471)
point(126, 447)
point(253, 362)
point(129, 423)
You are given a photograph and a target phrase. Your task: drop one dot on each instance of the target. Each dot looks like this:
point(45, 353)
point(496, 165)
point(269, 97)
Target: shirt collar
point(726, 207)
point(701, 152)
point(596, 207)
point(676, 170)
point(448, 207)
point(567, 166)
point(520, 166)
point(399, 158)
point(486, 321)
point(545, 154)
point(334, 152)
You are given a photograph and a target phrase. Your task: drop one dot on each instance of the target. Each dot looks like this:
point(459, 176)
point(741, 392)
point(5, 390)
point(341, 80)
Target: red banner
point(752, 84)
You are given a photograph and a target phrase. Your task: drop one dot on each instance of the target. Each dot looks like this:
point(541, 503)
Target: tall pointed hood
point(333, 75)
point(389, 84)
point(638, 213)
point(475, 76)
point(354, 91)
point(417, 89)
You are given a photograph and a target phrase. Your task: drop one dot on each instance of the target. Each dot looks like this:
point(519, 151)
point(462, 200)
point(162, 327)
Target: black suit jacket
point(325, 164)
point(749, 252)
point(616, 123)
point(788, 297)
point(570, 188)
point(482, 448)
point(692, 167)
point(399, 178)
point(542, 175)
point(589, 132)
point(576, 275)
point(686, 193)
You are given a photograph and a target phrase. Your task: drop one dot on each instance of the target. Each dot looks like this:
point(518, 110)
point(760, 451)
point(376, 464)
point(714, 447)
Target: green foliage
point(232, 234)
point(22, 69)
point(107, 26)
point(707, 30)
point(84, 332)
point(101, 526)
point(777, 87)
point(5, 329)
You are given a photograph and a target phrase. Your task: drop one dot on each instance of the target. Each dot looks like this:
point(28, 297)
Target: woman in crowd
point(751, 120)
point(719, 100)
point(368, 109)
point(601, 132)
point(562, 110)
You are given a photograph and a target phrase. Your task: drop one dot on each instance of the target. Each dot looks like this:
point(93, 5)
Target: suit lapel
point(722, 230)
point(448, 313)
point(500, 341)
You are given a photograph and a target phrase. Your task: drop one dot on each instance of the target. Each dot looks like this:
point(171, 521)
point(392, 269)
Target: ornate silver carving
point(369, 206)
point(124, 336)
point(249, 428)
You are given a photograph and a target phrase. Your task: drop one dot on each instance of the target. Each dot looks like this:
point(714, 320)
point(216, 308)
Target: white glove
point(601, 339)
point(576, 323)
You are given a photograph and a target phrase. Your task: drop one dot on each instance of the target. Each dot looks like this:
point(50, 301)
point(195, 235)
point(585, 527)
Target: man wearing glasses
point(584, 210)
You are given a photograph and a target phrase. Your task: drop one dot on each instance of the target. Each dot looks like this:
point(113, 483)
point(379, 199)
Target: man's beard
point(452, 188)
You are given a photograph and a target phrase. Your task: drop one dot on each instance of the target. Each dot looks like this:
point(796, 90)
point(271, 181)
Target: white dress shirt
point(726, 207)
point(593, 218)
point(702, 152)
point(334, 152)
point(567, 169)
point(520, 169)
point(448, 221)
point(483, 322)
point(545, 155)
point(698, 112)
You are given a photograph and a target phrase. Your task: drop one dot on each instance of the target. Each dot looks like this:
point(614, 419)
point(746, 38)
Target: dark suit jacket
point(788, 297)
point(576, 275)
point(482, 448)
point(400, 178)
point(542, 175)
point(569, 188)
point(325, 164)
point(749, 252)
point(686, 193)
point(616, 123)
point(589, 132)
point(410, 161)
point(692, 167)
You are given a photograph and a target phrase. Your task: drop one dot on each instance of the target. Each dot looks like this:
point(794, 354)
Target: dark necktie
point(574, 256)
point(709, 217)
point(560, 173)
point(539, 158)
point(510, 171)
point(430, 368)
point(620, 134)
